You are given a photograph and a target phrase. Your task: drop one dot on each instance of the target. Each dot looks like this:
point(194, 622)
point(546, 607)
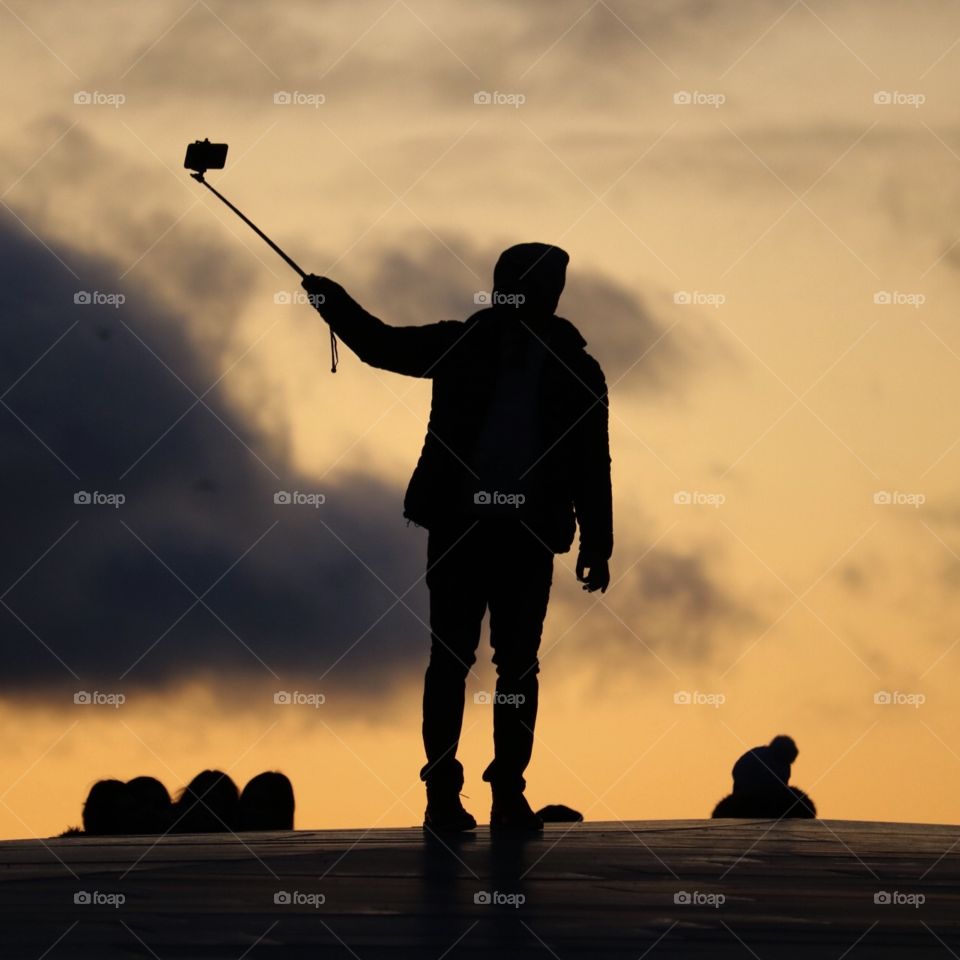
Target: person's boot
point(511, 812)
point(445, 812)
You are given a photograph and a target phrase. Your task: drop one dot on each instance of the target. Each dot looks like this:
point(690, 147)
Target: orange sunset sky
point(759, 200)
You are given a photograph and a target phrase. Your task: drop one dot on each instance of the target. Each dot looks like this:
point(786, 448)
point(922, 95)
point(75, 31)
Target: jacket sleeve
point(592, 491)
point(413, 351)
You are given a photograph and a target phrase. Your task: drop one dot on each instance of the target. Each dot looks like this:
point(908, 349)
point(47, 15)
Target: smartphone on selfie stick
point(202, 155)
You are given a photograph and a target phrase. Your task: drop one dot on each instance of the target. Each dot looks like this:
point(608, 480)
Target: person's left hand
point(593, 572)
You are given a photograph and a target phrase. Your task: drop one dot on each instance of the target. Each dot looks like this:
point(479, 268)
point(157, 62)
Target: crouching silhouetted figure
point(761, 785)
point(209, 803)
point(267, 803)
point(107, 810)
point(151, 806)
point(112, 807)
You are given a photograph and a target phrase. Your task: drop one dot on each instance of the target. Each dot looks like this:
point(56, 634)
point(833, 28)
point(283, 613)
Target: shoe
point(445, 813)
point(512, 812)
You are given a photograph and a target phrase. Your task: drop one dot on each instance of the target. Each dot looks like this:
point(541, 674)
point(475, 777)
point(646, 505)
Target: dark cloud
point(103, 398)
point(293, 591)
point(670, 603)
point(421, 280)
point(91, 408)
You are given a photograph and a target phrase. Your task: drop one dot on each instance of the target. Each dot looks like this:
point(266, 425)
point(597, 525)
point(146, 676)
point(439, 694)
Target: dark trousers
point(501, 565)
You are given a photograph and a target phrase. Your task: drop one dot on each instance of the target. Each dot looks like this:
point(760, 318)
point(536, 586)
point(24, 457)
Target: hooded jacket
point(568, 477)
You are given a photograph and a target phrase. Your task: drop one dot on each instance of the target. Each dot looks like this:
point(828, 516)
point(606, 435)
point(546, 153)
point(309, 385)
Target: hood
point(534, 272)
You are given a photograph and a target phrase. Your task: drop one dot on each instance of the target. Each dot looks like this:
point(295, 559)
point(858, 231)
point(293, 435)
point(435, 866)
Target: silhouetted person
point(516, 454)
point(267, 803)
point(761, 785)
point(765, 767)
point(151, 806)
point(208, 804)
point(108, 809)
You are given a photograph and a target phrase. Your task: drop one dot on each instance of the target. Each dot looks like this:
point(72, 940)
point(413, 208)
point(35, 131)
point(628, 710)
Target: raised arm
point(413, 351)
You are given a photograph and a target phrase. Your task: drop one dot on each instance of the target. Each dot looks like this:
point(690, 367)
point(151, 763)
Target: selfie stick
point(199, 178)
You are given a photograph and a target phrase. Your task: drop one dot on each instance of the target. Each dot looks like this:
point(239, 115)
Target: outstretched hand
point(320, 289)
point(593, 572)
